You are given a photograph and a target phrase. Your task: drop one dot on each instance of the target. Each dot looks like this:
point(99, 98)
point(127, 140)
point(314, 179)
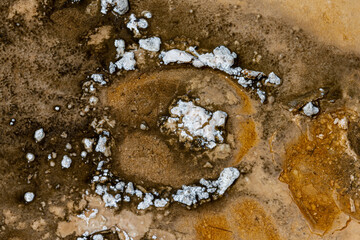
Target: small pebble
point(98, 237)
point(29, 196)
point(143, 127)
point(147, 14)
point(30, 157)
point(68, 146)
point(12, 122)
point(39, 135)
point(310, 109)
point(66, 162)
point(93, 100)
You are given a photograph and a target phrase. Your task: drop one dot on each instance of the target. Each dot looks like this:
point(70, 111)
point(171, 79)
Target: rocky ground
point(71, 141)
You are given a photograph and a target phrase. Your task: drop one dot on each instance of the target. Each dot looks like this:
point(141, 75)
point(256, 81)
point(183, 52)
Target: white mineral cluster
point(102, 146)
point(125, 60)
point(226, 179)
point(30, 157)
point(221, 58)
point(261, 94)
point(66, 161)
point(151, 44)
point(193, 123)
point(39, 135)
point(147, 202)
point(88, 144)
point(310, 109)
point(98, 237)
point(134, 24)
point(342, 123)
point(273, 79)
point(119, 7)
point(99, 78)
point(146, 14)
point(176, 56)
point(160, 203)
point(29, 197)
point(120, 47)
point(190, 195)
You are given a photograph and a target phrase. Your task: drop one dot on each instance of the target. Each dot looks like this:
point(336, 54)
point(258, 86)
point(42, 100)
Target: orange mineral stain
point(250, 221)
point(247, 138)
point(244, 219)
point(317, 170)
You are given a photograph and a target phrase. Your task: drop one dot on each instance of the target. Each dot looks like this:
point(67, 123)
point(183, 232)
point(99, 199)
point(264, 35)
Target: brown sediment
point(98, 216)
point(336, 21)
point(149, 160)
point(28, 9)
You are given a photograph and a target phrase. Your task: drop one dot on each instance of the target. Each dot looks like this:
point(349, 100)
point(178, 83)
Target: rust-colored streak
point(247, 106)
point(247, 137)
